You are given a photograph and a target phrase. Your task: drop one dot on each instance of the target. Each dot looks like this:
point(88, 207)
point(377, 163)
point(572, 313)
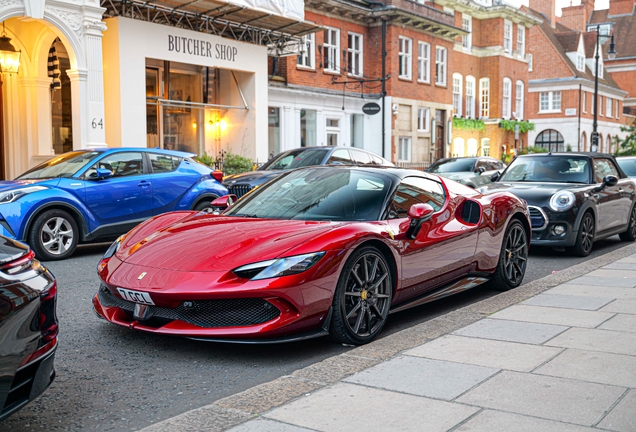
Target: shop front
point(48, 104)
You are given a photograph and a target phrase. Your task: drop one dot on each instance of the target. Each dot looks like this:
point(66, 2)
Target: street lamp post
point(611, 54)
point(9, 63)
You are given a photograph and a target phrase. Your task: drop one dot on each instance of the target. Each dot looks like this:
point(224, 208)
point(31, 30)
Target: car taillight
point(218, 176)
point(18, 265)
point(47, 322)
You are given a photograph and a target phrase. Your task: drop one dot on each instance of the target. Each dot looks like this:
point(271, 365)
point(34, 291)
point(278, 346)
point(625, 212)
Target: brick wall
point(618, 7)
point(546, 7)
point(547, 61)
point(574, 17)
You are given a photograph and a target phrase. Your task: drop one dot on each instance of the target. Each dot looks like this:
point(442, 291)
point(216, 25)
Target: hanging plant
point(468, 124)
point(509, 125)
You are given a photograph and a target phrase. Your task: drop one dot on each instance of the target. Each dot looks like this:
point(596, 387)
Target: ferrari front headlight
point(279, 267)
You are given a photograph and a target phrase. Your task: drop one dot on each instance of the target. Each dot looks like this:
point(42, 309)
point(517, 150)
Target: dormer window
point(580, 62)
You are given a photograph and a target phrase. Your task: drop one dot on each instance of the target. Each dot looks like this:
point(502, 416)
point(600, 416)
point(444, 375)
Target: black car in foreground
point(240, 184)
point(28, 326)
point(574, 198)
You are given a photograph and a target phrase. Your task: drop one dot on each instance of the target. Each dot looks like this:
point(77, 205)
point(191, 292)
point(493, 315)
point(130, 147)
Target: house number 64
point(98, 122)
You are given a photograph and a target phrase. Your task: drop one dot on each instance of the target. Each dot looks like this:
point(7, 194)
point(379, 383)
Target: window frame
point(470, 104)
point(423, 119)
point(467, 24)
point(310, 53)
point(333, 49)
point(352, 52)
point(424, 62)
point(506, 98)
point(507, 41)
point(608, 107)
point(521, 41)
point(409, 140)
point(484, 106)
point(458, 81)
point(405, 55)
point(551, 101)
point(441, 64)
point(519, 99)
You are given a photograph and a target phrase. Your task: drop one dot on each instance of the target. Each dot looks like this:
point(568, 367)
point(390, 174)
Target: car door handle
point(620, 190)
point(144, 183)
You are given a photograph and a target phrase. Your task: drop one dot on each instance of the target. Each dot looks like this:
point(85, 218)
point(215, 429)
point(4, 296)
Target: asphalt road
point(110, 378)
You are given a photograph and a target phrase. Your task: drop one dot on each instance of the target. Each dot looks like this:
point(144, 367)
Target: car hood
point(7, 185)
point(534, 193)
point(253, 177)
point(204, 242)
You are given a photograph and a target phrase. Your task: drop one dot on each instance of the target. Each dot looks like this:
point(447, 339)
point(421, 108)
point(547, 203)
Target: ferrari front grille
point(204, 313)
point(538, 218)
point(240, 190)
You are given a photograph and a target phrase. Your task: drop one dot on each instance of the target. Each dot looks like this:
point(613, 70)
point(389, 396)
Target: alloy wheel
point(516, 255)
point(587, 233)
point(57, 235)
point(632, 222)
point(367, 295)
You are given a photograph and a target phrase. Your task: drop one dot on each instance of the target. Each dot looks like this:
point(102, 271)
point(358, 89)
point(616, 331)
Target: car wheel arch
point(76, 214)
point(524, 222)
point(386, 251)
point(585, 208)
point(205, 197)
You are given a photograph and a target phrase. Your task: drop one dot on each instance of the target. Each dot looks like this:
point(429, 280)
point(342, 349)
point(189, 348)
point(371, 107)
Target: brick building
point(561, 86)
point(489, 74)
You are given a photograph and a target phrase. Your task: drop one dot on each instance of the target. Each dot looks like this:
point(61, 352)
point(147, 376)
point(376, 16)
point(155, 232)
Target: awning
point(279, 24)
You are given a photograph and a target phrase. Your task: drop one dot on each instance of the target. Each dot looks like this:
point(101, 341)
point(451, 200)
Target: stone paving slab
point(621, 306)
point(623, 417)
point(546, 397)
point(492, 421)
point(568, 301)
point(423, 377)
point(511, 331)
point(603, 281)
point(335, 368)
point(210, 418)
point(592, 366)
point(594, 291)
point(614, 273)
point(350, 407)
point(552, 315)
point(621, 266)
point(486, 352)
point(621, 322)
point(627, 260)
point(597, 340)
point(265, 425)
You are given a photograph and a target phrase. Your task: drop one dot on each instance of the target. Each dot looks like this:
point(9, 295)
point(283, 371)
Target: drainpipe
point(578, 137)
point(376, 3)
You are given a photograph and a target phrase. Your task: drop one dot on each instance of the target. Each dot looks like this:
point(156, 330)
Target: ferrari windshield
point(295, 159)
point(453, 165)
point(318, 194)
point(64, 165)
point(557, 169)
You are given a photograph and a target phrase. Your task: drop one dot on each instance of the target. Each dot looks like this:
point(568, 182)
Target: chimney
point(547, 8)
point(577, 17)
point(620, 7)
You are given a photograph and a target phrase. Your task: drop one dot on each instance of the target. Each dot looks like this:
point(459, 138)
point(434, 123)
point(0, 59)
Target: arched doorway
point(608, 147)
point(583, 143)
point(601, 144)
point(551, 140)
point(61, 99)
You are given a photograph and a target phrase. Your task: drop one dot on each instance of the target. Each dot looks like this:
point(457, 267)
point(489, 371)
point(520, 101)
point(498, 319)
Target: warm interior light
point(194, 125)
point(9, 57)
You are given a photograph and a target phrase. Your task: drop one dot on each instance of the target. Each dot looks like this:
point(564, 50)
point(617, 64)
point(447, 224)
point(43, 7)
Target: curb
point(230, 411)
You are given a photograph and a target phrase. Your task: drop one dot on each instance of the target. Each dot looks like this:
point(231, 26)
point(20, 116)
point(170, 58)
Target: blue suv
point(96, 195)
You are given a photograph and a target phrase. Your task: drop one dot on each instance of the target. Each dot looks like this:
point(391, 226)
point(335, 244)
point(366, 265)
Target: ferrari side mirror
point(223, 202)
point(418, 214)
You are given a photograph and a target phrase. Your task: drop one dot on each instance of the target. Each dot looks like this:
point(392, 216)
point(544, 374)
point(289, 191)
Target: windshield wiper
point(245, 215)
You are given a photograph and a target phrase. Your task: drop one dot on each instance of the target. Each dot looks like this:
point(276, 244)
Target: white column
point(345, 139)
point(41, 89)
point(79, 104)
point(297, 136)
point(288, 132)
point(95, 85)
point(320, 128)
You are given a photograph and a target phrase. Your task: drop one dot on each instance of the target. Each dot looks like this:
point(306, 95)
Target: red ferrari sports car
point(322, 250)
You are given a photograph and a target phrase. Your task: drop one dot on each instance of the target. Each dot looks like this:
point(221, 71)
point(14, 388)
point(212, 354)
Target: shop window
point(61, 104)
point(182, 124)
point(332, 131)
point(357, 130)
point(273, 131)
point(307, 128)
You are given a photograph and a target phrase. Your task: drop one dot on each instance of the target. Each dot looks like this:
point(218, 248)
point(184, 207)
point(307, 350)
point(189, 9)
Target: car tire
point(203, 205)
point(513, 258)
point(585, 236)
point(630, 233)
point(363, 297)
point(54, 235)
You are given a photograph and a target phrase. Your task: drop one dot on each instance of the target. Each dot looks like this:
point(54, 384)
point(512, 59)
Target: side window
point(121, 164)
point(603, 168)
point(482, 163)
point(163, 163)
point(361, 157)
point(377, 160)
point(416, 190)
point(340, 156)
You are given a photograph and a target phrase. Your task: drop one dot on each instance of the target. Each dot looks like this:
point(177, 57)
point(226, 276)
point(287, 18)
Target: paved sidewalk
point(555, 355)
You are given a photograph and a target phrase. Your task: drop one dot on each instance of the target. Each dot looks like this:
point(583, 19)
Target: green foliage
point(468, 124)
point(532, 149)
point(206, 159)
point(568, 148)
point(236, 164)
point(509, 125)
point(627, 146)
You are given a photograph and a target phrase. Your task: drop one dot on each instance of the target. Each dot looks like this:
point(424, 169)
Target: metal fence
point(421, 166)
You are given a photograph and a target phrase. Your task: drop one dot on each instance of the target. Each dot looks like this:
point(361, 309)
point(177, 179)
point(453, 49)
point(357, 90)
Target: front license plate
point(135, 296)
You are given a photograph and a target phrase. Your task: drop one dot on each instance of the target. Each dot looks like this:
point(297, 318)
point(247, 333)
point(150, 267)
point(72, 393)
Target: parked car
point(96, 195)
point(471, 171)
point(240, 184)
point(628, 165)
point(316, 251)
point(574, 198)
point(28, 324)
